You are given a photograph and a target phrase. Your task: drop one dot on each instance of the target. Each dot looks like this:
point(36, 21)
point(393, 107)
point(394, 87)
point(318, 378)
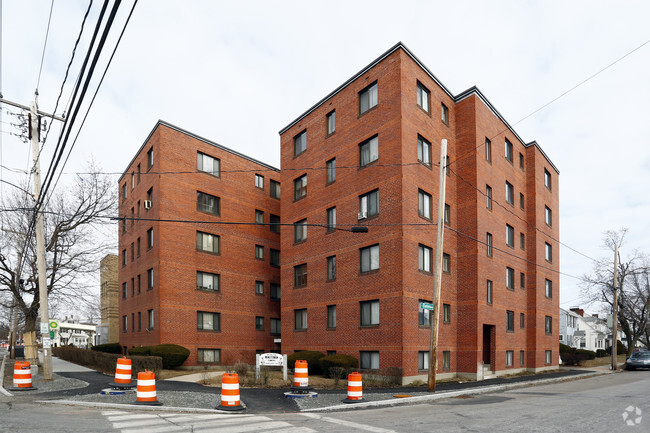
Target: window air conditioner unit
point(147, 204)
point(363, 215)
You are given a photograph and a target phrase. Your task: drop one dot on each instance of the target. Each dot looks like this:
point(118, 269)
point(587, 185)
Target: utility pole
point(615, 318)
point(437, 276)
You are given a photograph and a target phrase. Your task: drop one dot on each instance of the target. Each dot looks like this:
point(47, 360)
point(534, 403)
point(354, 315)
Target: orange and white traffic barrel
point(230, 399)
point(355, 388)
point(301, 374)
point(146, 390)
point(22, 376)
point(122, 374)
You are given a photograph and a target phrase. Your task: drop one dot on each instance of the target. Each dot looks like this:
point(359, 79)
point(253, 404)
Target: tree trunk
point(31, 347)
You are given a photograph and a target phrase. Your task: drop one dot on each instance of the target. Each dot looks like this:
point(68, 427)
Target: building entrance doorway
point(488, 347)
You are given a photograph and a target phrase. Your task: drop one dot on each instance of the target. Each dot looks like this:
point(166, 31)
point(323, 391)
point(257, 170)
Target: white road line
point(138, 423)
point(248, 427)
point(347, 423)
point(292, 430)
point(131, 417)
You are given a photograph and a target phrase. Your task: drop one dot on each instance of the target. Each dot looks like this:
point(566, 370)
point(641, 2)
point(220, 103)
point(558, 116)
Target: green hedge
point(108, 348)
point(172, 355)
point(345, 361)
point(311, 356)
point(106, 362)
point(565, 348)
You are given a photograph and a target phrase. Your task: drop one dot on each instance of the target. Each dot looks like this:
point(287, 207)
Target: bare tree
point(77, 234)
point(634, 283)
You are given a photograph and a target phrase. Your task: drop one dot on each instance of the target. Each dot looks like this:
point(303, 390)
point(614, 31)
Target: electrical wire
point(47, 33)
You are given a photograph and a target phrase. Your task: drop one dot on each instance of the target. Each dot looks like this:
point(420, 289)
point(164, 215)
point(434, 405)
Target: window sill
point(372, 271)
point(295, 199)
point(209, 252)
point(301, 241)
point(428, 273)
point(367, 111)
point(368, 326)
point(209, 330)
point(300, 330)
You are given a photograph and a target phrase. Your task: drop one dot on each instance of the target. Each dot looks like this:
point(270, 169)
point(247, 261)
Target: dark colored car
point(638, 360)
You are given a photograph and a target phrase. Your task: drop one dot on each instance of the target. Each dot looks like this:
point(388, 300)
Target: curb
point(2, 378)
point(450, 394)
point(132, 407)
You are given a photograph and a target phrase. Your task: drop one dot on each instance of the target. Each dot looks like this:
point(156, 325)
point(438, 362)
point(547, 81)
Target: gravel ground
point(167, 398)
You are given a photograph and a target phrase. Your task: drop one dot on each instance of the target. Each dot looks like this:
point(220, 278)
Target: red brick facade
point(175, 256)
point(476, 330)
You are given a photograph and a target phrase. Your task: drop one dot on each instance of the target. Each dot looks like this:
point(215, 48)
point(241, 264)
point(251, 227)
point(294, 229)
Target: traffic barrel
point(301, 375)
point(355, 388)
point(122, 374)
point(22, 376)
point(230, 392)
point(146, 389)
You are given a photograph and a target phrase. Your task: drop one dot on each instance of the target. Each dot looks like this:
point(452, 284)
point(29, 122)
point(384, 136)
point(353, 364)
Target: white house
point(568, 327)
point(71, 332)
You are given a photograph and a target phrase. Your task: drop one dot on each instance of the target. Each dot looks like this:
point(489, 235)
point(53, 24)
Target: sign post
point(270, 360)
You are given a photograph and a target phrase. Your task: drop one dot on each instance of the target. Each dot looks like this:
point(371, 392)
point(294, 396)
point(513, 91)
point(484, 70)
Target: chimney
point(579, 311)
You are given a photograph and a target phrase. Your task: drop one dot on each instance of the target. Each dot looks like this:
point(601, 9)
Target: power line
point(47, 33)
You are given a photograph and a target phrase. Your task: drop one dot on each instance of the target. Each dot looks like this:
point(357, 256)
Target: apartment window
point(509, 356)
point(510, 321)
point(510, 278)
point(425, 258)
point(522, 241)
point(331, 122)
point(150, 319)
point(138, 247)
point(300, 275)
point(424, 204)
point(547, 356)
point(446, 360)
point(259, 287)
point(522, 201)
point(125, 323)
point(207, 242)
point(150, 238)
point(274, 221)
point(331, 268)
point(275, 257)
point(150, 279)
point(521, 358)
point(300, 319)
point(207, 281)
point(488, 150)
point(369, 360)
point(124, 225)
point(489, 292)
point(138, 208)
point(331, 219)
point(446, 313)
point(149, 198)
point(132, 286)
point(275, 292)
point(510, 236)
point(444, 114)
point(208, 321)
point(132, 251)
point(369, 151)
point(209, 355)
point(548, 252)
point(330, 170)
point(369, 313)
point(208, 203)
point(300, 143)
point(548, 216)
point(132, 322)
point(423, 97)
point(368, 98)
point(522, 320)
point(369, 258)
point(123, 257)
point(447, 214)
point(522, 280)
point(300, 231)
point(300, 187)
point(139, 173)
point(139, 321)
point(275, 188)
point(548, 325)
point(150, 158)
point(259, 181)
point(423, 360)
point(488, 197)
point(508, 152)
point(548, 288)
point(139, 284)
point(259, 216)
point(424, 150)
point(259, 252)
point(369, 204)
point(488, 244)
point(510, 193)
point(446, 262)
point(124, 192)
point(424, 316)
point(132, 216)
point(521, 161)
point(259, 323)
point(208, 164)
point(275, 327)
point(331, 316)
point(547, 179)
point(124, 290)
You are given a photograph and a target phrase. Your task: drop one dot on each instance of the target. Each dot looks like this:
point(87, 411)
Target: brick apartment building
point(211, 286)
point(367, 154)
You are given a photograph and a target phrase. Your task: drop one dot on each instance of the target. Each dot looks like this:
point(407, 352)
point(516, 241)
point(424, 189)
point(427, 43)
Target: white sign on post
point(47, 343)
point(44, 328)
point(271, 360)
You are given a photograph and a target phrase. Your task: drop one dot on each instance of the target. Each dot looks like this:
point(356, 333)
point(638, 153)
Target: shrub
point(106, 362)
point(241, 368)
point(347, 362)
point(588, 353)
point(391, 376)
point(565, 348)
point(601, 353)
point(620, 349)
point(108, 348)
point(172, 355)
point(573, 358)
point(311, 356)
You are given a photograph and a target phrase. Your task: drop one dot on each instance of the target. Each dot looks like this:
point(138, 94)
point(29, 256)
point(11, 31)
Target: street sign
point(271, 359)
point(47, 343)
point(426, 306)
point(54, 324)
point(44, 328)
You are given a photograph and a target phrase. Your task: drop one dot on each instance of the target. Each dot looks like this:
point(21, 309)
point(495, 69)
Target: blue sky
point(238, 72)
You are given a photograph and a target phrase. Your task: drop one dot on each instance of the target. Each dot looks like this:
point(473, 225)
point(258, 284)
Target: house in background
point(568, 327)
point(71, 331)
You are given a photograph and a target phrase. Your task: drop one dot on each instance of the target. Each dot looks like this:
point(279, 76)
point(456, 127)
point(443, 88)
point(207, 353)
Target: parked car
point(638, 360)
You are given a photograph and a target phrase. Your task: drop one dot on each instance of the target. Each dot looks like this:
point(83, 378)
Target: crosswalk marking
point(163, 422)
